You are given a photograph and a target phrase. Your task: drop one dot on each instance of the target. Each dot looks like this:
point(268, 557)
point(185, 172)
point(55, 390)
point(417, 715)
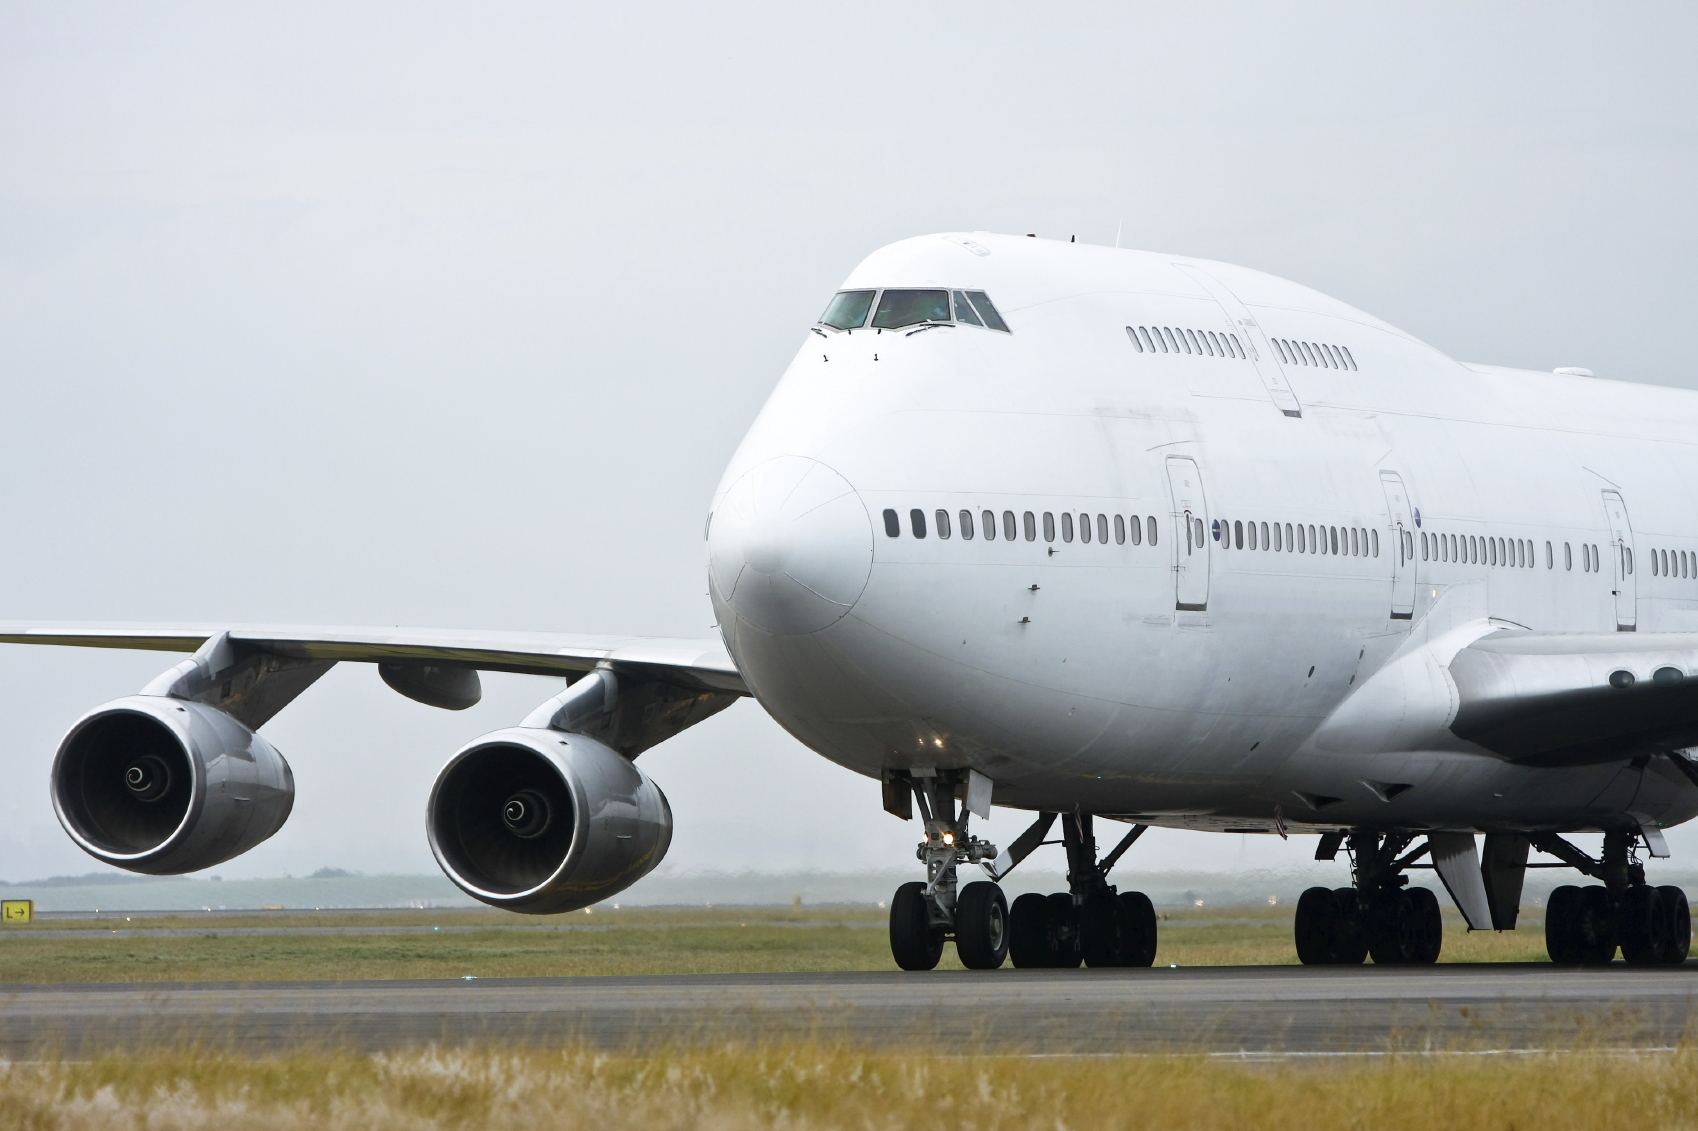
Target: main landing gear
point(1584, 926)
point(1380, 916)
point(1091, 923)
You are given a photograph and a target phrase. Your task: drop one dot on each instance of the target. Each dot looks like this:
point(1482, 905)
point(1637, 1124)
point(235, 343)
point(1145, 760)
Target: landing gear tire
point(1103, 927)
point(1352, 932)
point(1562, 926)
point(914, 942)
point(1426, 927)
point(981, 926)
point(1064, 932)
point(1391, 928)
point(1138, 948)
point(1597, 926)
point(1028, 932)
point(1643, 926)
point(1316, 927)
point(1679, 914)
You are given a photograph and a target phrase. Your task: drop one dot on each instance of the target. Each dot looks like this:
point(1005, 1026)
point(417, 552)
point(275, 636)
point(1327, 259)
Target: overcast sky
point(451, 315)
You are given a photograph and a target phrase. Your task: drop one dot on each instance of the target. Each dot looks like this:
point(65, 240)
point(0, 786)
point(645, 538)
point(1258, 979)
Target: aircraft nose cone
point(791, 546)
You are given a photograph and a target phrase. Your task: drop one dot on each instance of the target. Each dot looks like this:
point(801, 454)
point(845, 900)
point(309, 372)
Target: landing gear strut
point(1380, 916)
point(1584, 926)
point(1092, 922)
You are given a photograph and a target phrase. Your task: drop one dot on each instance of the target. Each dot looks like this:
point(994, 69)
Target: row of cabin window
point(1674, 563)
point(1519, 553)
point(1298, 539)
point(1313, 353)
point(1127, 528)
point(1165, 339)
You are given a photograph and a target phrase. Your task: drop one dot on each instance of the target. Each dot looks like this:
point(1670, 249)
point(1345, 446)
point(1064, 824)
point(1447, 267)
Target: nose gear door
point(1621, 547)
point(1191, 525)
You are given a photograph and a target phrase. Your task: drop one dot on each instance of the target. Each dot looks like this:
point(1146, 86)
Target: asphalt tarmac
point(1236, 1010)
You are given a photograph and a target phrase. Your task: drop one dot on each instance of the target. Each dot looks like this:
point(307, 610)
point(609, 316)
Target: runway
point(1261, 1009)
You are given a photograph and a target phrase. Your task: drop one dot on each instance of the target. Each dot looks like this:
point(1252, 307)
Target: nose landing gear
point(923, 916)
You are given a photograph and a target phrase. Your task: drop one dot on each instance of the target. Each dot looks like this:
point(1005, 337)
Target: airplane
point(1102, 535)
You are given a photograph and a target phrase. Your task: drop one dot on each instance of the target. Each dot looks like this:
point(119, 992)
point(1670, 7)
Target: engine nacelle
point(165, 786)
point(542, 821)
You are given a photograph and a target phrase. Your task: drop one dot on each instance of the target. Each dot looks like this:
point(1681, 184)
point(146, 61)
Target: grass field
point(492, 944)
point(802, 1087)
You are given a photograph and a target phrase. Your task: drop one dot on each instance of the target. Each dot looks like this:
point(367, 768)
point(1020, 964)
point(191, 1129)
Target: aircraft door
point(1402, 539)
point(1191, 530)
point(1621, 553)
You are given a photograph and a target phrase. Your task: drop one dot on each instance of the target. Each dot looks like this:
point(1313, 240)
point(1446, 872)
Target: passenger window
point(987, 521)
point(1238, 534)
point(1314, 547)
point(1102, 528)
point(1353, 549)
point(1374, 535)
point(1067, 526)
point(1151, 519)
point(1214, 344)
point(847, 310)
point(1145, 334)
point(942, 520)
point(1120, 530)
point(982, 303)
point(1424, 548)
point(1310, 354)
point(1251, 540)
point(1192, 338)
point(1137, 531)
point(892, 524)
point(1332, 539)
point(966, 525)
point(1049, 527)
point(1008, 526)
point(1168, 334)
point(1550, 557)
point(1281, 350)
point(1133, 334)
point(1683, 564)
point(899, 308)
point(1031, 524)
point(917, 520)
point(1278, 542)
point(1238, 346)
point(1084, 528)
point(1288, 537)
point(964, 311)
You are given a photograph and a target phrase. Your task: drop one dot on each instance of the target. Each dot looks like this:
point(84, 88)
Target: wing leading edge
point(704, 664)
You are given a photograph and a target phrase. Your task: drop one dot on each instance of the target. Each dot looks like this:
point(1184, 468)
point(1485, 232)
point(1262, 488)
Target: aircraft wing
point(700, 663)
point(1572, 699)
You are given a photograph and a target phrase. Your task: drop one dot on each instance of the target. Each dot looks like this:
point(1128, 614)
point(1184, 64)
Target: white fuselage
point(1188, 682)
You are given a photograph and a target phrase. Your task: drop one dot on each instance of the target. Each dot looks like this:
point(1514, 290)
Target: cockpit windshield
point(899, 307)
point(848, 310)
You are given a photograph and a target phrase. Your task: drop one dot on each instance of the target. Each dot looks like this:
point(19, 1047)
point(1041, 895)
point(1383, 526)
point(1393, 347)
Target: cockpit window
point(848, 310)
point(898, 308)
point(964, 311)
point(982, 303)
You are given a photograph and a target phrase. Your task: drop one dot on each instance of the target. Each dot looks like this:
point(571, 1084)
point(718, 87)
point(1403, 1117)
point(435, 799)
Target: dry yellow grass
point(807, 1087)
point(628, 941)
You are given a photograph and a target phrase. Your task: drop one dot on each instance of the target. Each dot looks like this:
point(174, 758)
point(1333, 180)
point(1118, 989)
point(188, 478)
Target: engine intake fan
point(541, 821)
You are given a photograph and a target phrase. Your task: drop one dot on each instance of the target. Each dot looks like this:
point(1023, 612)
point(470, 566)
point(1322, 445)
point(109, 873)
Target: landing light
point(949, 838)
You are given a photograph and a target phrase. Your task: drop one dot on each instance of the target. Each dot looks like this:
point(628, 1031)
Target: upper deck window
point(848, 310)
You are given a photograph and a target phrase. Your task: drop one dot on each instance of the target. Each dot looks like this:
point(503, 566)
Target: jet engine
point(542, 821)
point(164, 786)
